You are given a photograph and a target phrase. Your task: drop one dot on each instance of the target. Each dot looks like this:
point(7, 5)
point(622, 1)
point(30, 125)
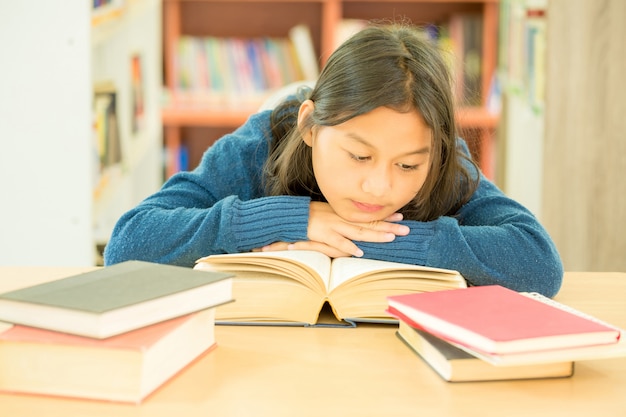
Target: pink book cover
point(495, 319)
point(141, 338)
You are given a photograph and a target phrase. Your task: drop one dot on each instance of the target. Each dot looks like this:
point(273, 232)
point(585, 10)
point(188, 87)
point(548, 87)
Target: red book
point(124, 368)
point(497, 320)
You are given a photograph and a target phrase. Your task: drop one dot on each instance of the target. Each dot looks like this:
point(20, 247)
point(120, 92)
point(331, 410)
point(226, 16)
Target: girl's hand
point(330, 234)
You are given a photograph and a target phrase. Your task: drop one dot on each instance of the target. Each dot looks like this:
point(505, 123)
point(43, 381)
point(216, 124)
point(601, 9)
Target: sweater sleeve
point(491, 240)
point(217, 208)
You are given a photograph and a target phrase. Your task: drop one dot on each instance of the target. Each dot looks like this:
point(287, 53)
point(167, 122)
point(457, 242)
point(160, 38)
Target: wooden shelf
point(188, 115)
point(250, 18)
point(174, 115)
point(476, 117)
point(484, 124)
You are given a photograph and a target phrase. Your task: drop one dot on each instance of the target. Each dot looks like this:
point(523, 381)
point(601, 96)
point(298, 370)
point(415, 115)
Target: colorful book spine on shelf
point(215, 68)
point(465, 31)
point(522, 53)
point(253, 57)
point(535, 52)
point(183, 63)
point(270, 64)
point(202, 73)
point(216, 78)
point(305, 57)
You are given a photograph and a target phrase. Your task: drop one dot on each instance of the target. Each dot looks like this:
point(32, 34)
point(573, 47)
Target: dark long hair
point(394, 66)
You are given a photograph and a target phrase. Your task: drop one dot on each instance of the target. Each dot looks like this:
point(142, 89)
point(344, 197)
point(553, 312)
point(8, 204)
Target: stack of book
point(494, 333)
point(116, 333)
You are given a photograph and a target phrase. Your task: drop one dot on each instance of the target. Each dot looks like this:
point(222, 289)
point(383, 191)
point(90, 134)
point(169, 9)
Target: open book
point(291, 287)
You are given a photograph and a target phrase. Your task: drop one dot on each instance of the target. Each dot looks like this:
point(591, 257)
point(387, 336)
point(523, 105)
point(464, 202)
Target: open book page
point(346, 269)
point(261, 297)
point(360, 287)
point(279, 287)
point(309, 267)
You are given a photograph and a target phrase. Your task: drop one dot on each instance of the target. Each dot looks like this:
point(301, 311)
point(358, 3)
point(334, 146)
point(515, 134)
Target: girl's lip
point(370, 208)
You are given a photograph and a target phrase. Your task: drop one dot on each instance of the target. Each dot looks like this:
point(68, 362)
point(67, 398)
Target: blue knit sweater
point(220, 208)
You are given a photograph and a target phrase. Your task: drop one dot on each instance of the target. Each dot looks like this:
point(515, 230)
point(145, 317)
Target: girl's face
point(372, 165)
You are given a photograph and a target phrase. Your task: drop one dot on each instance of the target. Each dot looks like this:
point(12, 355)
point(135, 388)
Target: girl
point(365, 164)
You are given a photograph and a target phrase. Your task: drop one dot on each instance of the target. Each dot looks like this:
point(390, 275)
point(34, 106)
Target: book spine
point(305, 57)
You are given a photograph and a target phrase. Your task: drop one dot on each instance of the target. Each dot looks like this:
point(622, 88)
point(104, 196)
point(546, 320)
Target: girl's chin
point(362, 217)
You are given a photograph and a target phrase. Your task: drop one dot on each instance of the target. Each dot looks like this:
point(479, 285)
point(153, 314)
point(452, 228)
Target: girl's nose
point(377, 182)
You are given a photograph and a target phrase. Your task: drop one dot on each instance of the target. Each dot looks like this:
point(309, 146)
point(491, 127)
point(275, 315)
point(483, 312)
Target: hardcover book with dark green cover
point(116, 299)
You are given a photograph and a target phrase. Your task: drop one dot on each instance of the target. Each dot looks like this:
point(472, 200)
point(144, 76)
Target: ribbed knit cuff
point(412, 248)
point(262, 221)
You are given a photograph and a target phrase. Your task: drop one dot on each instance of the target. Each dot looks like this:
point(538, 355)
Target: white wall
point(45, 131)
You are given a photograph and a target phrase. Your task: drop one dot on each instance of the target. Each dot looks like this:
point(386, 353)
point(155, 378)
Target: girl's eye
point(359, 158)
point(406, 167)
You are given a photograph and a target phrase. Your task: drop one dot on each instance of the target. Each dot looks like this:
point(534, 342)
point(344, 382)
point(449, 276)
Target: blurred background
point(101, 101)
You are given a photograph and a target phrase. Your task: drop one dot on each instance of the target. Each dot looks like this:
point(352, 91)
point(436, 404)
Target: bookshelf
point(521, 69)
point(59, 205)
point(186, 124)
point(125, 57)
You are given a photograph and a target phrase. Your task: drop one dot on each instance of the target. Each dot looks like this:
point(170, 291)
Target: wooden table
point(367, 371)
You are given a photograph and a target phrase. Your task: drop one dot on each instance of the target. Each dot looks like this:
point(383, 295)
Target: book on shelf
point(346, 28)
point(465, 31)
point(457, 365)
point(123, 368)
point(308, 61)
point(522, 53)
point(106, 10)
point(496, 320)
point(292, 287)
point(535, 47)
point(106, 126)
point(219, 71)
point(137, 90)
point(115, 299)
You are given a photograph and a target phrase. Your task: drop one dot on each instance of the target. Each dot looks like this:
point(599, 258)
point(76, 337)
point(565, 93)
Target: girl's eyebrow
point(360, 139)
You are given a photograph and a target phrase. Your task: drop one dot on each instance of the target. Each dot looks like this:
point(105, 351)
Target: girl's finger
point(395, 217)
